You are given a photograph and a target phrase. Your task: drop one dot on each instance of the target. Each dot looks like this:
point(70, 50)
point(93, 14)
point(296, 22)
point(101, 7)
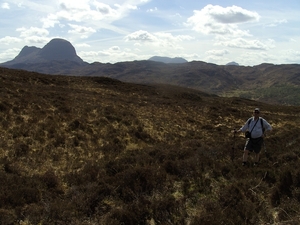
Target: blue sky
point(247, 32)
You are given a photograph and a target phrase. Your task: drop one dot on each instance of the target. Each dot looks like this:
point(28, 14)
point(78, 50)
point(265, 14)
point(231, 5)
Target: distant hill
point(56, 50)
point(232, 64)
point(266, 82)
point(168, 59)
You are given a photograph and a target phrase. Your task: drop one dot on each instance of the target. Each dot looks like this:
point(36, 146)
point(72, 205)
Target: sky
point(109, 31)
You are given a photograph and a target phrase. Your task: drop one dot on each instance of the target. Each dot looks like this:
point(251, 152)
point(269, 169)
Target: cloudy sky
point(215, 31)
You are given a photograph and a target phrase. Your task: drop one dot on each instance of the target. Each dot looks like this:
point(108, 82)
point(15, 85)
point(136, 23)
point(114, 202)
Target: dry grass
point(78, 150)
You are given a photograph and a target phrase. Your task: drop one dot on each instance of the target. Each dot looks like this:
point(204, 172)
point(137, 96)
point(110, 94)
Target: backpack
point(261, 122)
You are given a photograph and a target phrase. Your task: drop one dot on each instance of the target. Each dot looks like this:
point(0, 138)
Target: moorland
point(96, 150)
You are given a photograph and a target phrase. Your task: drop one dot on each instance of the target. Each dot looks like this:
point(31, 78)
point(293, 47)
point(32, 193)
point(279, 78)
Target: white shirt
point(256, 126)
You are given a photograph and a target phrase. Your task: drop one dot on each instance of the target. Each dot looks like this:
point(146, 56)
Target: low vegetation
point(77, 150)
point(278, 94)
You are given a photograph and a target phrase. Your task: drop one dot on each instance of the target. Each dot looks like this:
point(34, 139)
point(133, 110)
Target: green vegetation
point(284, 94)
point(278, 94)
point(77, 150)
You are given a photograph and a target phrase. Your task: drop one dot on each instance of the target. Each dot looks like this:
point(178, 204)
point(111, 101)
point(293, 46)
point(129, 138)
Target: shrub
point(135, 182)
point(285, 183)
point(297, 179)
point(121, 216)
point(7, 217)
point(237, 208)
point(275, 197)
point(50, 179)
point(21, 149)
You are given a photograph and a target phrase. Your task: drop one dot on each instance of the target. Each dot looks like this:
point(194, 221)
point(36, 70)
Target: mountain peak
point(232, 64)
point(56, 50)
point(26, 50)
point(59, 49)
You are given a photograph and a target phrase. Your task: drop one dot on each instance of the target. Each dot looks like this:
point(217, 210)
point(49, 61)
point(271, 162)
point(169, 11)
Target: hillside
point(276, 84)
point(94, 150)
point(268, 83)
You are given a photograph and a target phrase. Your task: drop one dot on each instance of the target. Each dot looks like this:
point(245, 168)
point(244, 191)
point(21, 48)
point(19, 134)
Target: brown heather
point(93, 150)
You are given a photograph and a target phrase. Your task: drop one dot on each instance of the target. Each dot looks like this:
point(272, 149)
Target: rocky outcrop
point(56, 50)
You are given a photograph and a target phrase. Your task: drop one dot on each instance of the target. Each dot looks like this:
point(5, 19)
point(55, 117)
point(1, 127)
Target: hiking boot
point(244, 164)
point(255, 164)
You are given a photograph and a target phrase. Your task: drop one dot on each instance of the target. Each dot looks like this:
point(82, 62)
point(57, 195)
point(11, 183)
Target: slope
point(78, 150)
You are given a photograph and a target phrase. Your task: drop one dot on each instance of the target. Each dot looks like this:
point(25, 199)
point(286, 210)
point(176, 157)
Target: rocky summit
point(57, 49)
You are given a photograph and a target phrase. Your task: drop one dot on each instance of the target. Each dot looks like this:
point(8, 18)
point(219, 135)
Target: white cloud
point(32, 31)
point(158, 37)
point(84, 32)
point(251, 58)
point(152, 10)
point(164, 41)
point(74, 6)
point(172, 38)
point(141, 36)
point(9, 54)
point(277, 23)
point(5, 5)
point(80, 11)
point(105, 9)
point(115, 48)
point(112, 55)
point(228, 15)
point(88, 55)
point(83, 45)
point(92, 12)
point(8, 40)
point(217, 52)
point(50, 21)
point(134, 7)
point(244, 43)
point(221, 21)
point(168, 40)
point(34, 34)
point(291, 55)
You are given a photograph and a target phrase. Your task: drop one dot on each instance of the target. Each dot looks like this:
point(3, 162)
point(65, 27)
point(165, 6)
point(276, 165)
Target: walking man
point(257, 127)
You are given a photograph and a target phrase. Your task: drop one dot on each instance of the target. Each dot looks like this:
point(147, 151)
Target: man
point(257, 127)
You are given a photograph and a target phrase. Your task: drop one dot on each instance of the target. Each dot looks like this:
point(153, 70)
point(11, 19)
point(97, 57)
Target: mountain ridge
point(265, 82)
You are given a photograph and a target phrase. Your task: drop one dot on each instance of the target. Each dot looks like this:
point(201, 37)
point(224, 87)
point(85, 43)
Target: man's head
point(256, 112)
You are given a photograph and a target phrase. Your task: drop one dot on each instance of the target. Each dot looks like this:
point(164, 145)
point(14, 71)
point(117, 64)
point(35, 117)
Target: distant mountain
point(56, 50)
point(232, 64)
point(272, 83)
point(167, 59)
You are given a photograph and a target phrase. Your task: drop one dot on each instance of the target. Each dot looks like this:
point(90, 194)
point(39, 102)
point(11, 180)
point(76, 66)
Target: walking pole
point(233, 145)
